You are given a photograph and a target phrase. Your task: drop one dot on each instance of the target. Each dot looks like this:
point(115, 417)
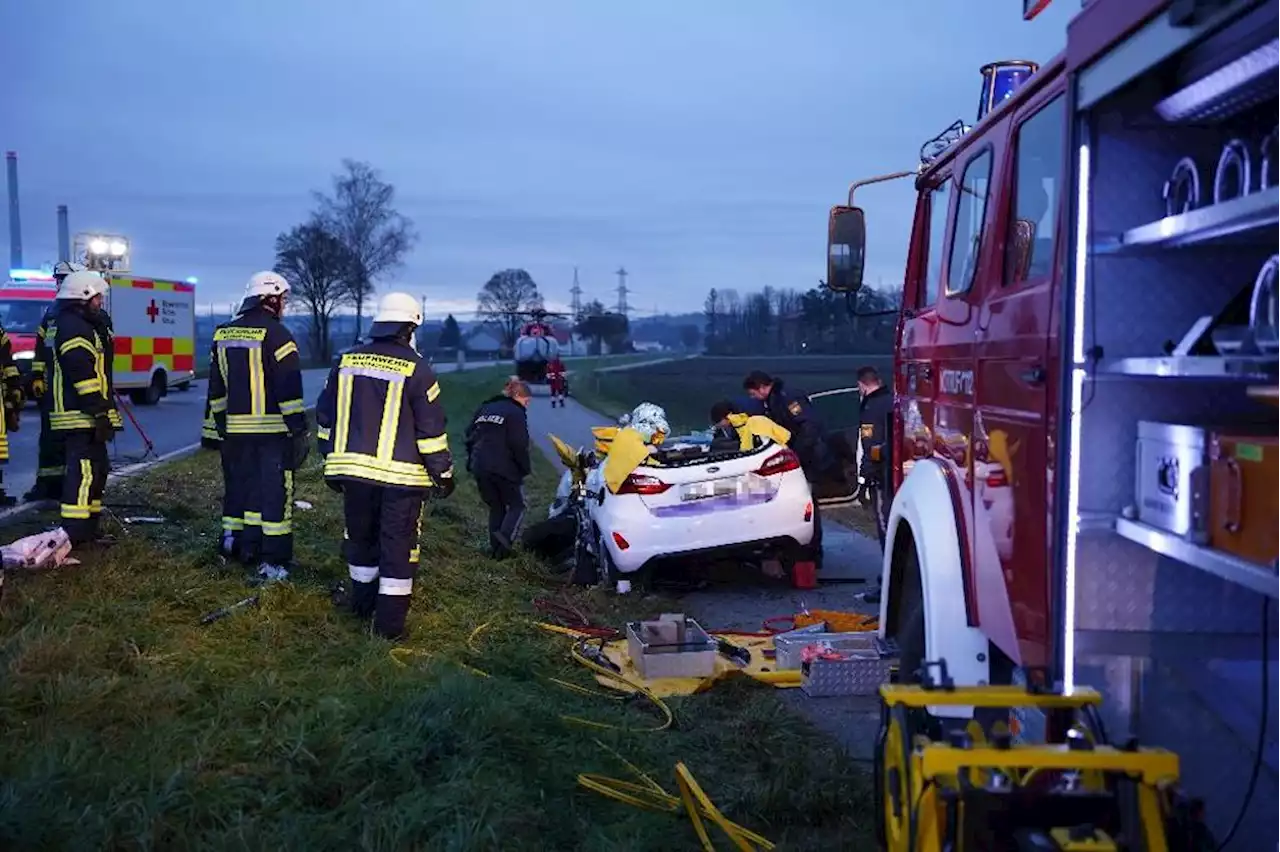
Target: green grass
point(126, 725)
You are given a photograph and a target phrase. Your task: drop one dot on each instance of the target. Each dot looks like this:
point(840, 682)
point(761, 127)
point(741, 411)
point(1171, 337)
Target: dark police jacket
point(78, 355)
point(498, 440)
point(876, 407)
point(792, 411)
point(255, 377)
point(379, 418)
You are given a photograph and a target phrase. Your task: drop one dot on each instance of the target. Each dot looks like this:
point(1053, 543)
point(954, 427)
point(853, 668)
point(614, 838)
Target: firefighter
point(792, 410)
point(13, 402)
point(557, 381)
point(255, 396)
point(51, 463)
point(380, 427)
point(498, 458)
point(877, 404)
point(81, 401)
point(730, 424)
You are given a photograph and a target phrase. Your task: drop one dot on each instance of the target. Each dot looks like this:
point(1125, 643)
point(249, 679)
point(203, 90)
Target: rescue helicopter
point(536, 346)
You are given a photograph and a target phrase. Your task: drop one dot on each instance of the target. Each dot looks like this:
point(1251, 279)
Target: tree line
point(790, 322)
point(510, 297)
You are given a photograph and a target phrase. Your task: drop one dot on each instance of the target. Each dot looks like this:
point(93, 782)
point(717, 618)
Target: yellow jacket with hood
point(750, 427)
point(627, 451)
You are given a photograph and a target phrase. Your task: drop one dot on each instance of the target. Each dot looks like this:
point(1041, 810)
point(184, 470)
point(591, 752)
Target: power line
point(576, 295)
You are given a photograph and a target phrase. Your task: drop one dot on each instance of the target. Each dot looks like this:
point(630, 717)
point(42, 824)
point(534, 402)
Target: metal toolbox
point(1244, 487)
point(789, 646)
point(671, 646)
point(861, 672)
point(1171, 478)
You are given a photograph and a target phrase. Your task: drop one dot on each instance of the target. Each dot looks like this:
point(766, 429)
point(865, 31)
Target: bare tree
point(505, 299)
point(360, 213)
point(317, 266)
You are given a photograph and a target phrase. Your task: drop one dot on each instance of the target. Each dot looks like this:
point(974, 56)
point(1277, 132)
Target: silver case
point(1171, 478)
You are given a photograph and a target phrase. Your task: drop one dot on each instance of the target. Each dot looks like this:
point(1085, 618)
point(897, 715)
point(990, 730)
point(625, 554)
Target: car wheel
point(150, 395)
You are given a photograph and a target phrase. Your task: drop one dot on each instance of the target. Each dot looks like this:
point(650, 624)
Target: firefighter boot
point(389, 617)
point(359, 602)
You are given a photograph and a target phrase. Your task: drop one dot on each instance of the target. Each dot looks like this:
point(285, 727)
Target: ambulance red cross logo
point(153, 311)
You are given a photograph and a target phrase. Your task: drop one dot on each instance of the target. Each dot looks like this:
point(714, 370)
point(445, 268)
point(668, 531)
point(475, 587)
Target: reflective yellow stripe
point(277, 528)
point(88, 386)
point(292, 406)
point(77, 343)
point(253, 519)
point(286, 350)
point(257, 383)
point(364, 466)
point(439, 444)
point(10, 372)
point(248, 424)
point(231, 524)
point(344, 412)
point(222, 368)
point(433, 392)
point(322, 433)
point(86, 478)
point(217, 406)
point(390, 420)
point(37, 368)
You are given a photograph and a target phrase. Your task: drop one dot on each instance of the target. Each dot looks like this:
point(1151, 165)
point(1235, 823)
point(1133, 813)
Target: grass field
point(127, 725)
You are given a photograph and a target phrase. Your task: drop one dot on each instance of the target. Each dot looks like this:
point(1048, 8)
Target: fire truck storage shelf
point(1178, 634)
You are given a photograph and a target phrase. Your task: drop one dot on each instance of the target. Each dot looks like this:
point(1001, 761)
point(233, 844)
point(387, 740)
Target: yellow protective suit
point(604, 437)
point(757, 426)
point(627, 451)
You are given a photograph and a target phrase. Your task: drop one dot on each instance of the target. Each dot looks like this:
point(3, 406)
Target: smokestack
point(15, 223)
point(64, 234)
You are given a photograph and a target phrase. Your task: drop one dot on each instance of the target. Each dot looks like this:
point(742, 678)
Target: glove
point(37, 388)
point(301, 449)
point(443, 488)
point(103, 431)
point(334, 485)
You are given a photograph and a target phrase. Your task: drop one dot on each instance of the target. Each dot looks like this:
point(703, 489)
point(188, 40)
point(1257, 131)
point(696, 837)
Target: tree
point(603, 328)
point(690, 337)
point(451, 334)
point(360, 213)
point(317, 266)
point(505, 298)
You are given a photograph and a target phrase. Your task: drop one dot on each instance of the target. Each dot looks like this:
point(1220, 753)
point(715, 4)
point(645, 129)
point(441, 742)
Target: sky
point(697, 145)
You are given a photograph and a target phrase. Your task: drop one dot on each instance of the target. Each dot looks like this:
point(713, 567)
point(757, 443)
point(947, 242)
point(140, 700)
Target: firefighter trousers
point(52, 462)
point(383, 527)
point(83, 485)
point(506, 509)
point(257, 497)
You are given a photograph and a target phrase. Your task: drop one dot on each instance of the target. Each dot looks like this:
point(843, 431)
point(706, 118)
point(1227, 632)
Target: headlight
point(24, 356)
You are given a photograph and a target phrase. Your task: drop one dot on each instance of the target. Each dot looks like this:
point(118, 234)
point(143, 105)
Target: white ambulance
point(153, 320)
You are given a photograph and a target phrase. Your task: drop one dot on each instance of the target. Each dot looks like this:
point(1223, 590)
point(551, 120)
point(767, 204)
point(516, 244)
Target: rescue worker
point(81, 404)
point(557, 381)
point(381, 428)
point(729, 423)
point(498, 458)
point(255, 396)
point(645, 431)
point(792, 410)
point(51, 463)
point(877, 405)
point(13, 402)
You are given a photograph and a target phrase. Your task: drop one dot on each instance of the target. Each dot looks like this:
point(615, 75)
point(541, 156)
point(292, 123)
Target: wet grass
point(127, 725)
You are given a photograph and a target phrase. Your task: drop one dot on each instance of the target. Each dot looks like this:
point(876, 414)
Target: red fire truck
point(1083, 459)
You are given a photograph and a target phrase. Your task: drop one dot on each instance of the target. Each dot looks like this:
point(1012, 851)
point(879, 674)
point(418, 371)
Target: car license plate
point(706, 490)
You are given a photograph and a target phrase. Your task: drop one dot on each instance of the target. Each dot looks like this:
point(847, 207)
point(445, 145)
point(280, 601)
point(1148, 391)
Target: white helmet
point(399, 308)
point(649, 420)
point(265, 284)
point(66, 267)
point(81, 286)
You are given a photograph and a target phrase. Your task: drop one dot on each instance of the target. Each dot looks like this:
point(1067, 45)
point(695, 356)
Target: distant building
point(482, 342)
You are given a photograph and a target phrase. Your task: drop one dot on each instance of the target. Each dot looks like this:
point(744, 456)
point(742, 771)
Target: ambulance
point(153, 320)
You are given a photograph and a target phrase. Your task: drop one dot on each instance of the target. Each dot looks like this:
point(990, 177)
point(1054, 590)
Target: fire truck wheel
point(910, 626)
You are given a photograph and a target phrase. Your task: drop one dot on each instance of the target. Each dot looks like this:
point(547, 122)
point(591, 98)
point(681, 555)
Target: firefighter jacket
point(498, 440)
point(79, 354)
point(794, 412)
point(379, 419)
point(209, 437)
point(748, 427)
point(42, 344)
point(873, 425)
point(255, 377)
point(12, 393)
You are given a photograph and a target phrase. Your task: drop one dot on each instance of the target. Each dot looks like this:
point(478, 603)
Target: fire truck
point(153, 320)
point(1083, 454)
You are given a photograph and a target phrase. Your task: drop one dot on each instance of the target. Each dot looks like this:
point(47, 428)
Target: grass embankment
point(126, 725)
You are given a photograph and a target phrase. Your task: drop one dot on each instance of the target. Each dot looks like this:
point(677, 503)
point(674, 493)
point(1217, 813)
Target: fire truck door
point(1010, 455)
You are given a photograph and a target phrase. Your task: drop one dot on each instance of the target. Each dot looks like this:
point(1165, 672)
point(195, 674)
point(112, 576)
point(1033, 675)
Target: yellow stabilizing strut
point(934, 795)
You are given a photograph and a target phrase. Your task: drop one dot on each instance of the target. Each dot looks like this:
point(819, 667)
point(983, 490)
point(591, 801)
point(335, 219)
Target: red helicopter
point(536, 346)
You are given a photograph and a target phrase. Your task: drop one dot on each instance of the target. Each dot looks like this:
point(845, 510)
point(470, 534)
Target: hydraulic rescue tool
point(977, 789)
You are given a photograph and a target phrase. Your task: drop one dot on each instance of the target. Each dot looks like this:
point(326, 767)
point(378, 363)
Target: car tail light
point(780, 462)
point(639, 483)
point(622, 543)
point(997, 479)
point(808, 512)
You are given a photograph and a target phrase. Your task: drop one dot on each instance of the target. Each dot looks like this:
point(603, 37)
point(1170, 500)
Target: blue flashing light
point(1000, 80)
point(30, 275)
point(191, 279)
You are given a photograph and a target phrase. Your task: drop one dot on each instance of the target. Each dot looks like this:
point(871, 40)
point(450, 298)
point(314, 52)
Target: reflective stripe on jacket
point(255, 377)
point(78, 364)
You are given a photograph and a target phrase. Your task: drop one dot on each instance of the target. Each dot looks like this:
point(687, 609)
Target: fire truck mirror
point(846, 249)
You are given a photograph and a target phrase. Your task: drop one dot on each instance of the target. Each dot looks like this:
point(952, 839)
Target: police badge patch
point(794, 408)
point(867, 430)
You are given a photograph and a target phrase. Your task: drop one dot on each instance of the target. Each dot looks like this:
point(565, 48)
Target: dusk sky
point(699, 143)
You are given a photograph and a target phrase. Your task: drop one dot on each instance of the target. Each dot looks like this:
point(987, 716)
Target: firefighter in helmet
point(13, 402)
point(381, 428)
point(52, 457)
point(255, 397)
point(80, 406)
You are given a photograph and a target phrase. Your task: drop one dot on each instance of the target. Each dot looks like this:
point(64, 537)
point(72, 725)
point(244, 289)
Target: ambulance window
point(939, 208)
point(971, 212)
point(1037, 188)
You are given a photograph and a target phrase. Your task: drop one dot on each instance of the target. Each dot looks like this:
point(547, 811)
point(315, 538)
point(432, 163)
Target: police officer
point(255, 396)
point(381, 429)
point(791, 410)
point(81, 405)
point(877, 404)
point(498, 457)
point(51, 464)
point(13, 402)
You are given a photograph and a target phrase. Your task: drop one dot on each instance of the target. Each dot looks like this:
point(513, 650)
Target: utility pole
point(575, 308)
point(623, 307)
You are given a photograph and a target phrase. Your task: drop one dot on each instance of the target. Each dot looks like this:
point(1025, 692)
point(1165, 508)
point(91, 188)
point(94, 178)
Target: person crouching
point(498, 458)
